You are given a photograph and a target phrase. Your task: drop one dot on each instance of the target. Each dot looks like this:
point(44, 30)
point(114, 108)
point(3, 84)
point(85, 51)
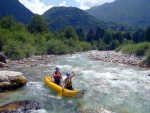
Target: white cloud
point(63, 3)
point(39, 7)
point(86, 4)
point(35, 6)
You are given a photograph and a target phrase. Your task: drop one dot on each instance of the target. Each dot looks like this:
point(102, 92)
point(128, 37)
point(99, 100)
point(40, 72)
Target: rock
point(10, 80)
point(115, 79)
point(20, 106)
point(2, 58)
point(3, 64)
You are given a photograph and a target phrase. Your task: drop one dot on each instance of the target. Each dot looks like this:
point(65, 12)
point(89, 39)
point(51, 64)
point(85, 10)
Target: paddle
point(60, 94)
point(45, 82)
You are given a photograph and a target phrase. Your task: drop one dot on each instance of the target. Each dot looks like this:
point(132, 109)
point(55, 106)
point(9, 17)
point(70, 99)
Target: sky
point(40, 6)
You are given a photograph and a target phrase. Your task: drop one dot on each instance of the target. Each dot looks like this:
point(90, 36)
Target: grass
point(140, 49)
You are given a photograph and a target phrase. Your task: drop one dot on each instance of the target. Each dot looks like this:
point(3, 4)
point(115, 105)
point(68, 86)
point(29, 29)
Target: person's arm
point(72, 74)
point(53, 75)
point(61, 76)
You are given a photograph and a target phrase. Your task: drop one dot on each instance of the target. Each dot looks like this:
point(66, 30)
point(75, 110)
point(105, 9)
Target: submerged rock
point(10, 80)
point(20, 106)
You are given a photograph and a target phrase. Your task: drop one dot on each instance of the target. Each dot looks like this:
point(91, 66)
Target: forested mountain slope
point(130, 12)
point(15, 8)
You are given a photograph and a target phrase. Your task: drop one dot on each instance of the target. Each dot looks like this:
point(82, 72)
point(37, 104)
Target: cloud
point(86, 4)
point(63, 3)
point(35, 6)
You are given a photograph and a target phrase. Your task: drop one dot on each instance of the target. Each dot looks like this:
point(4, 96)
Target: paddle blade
point(60, 94)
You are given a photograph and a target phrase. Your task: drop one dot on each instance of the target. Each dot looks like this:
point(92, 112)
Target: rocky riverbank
point(31, 61)
point(117, 57)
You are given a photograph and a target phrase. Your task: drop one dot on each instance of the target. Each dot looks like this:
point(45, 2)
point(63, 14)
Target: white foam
point(38, 111)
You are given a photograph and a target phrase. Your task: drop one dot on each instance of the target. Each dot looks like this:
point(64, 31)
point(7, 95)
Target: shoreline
point(117, 57)
point(104, 56)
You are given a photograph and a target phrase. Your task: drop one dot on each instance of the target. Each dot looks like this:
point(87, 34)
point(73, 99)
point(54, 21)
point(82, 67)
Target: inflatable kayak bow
point(66, 93)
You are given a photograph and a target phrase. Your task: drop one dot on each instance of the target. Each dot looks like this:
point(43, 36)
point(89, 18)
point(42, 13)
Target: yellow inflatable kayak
point(66, 93)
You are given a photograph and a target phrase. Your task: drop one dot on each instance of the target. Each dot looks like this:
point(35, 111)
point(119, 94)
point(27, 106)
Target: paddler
point(68, 81)
point(57, 76)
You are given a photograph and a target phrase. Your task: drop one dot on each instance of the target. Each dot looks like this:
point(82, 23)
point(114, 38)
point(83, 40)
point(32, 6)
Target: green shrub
point(22, 37)
point(94, 47)
point(142, 48)
point(57, 47)
point(13, 50)
point(16, 50)
point(86, 46)
point(40, 45)
point(148, 57)
point(139, 49)
point(28, 50)
point(4, 37)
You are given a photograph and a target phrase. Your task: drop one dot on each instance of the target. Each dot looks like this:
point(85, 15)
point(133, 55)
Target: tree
point(80, 33)
point(90, 35)
point(148, 35)
point(127, 36)
point(115, 44)
point(13, 50)
point(70, 33)
point(38, 24)
point(119, 37)
point(107, 38)
point(7, 22)
point(56, 47)
point(4, 37)
point(86, 46)
point(18, 27)
point(99, 33)
point(40, 44)
point(101, 45)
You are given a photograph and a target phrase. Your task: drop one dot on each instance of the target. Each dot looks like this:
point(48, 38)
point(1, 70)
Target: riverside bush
point(13, 50)
point(139, 49)
point(142, 48)
point(56, 47)
point(16, 50)
point(148, 57)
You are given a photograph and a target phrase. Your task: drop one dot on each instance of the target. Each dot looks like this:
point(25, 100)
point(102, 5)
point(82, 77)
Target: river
point(111, 88)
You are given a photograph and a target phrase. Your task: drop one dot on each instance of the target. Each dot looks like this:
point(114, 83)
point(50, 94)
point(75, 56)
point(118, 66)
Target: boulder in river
point(20, 106)
point(10, 80)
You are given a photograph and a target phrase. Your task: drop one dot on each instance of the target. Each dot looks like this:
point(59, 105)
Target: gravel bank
point(116, 57)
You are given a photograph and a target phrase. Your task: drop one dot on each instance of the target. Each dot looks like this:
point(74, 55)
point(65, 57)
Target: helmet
point(68, 74)
point(57, 68)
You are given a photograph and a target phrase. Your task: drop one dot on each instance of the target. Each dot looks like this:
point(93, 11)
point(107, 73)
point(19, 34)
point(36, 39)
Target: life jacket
point(58, 76)
point(69, 83)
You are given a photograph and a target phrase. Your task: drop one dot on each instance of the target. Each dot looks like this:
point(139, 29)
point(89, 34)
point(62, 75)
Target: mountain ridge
point(60, 17)
point(15, 8)
point(64, 16)
point(129, 12)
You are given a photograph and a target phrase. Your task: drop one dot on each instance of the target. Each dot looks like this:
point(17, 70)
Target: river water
point(111, 88)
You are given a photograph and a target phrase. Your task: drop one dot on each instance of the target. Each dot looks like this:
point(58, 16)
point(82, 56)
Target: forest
point(18, 41)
